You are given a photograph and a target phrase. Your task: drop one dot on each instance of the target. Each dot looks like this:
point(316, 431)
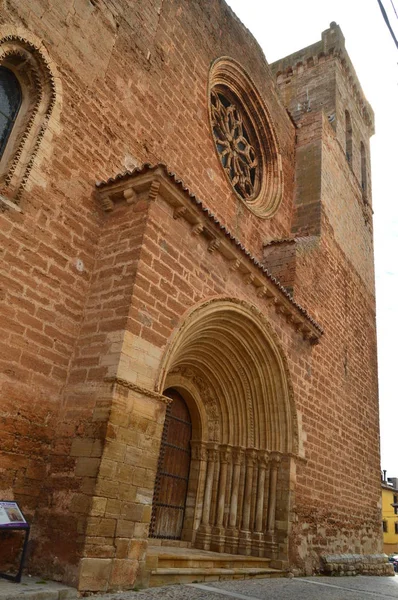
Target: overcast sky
point(285, 26)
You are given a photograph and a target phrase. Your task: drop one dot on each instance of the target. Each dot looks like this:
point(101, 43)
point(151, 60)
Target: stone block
point(94, 574)
point(124, 572)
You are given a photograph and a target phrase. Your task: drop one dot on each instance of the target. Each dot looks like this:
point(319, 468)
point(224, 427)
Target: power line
point(392, 3)
point(383, 12)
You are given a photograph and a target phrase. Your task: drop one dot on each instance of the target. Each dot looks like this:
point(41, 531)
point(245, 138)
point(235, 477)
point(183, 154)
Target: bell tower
point(334, 123)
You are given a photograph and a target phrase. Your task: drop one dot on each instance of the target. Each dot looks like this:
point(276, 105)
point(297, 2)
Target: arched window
point(27, 99)
point(348, 137)
point(363, 169)
point(10, 102)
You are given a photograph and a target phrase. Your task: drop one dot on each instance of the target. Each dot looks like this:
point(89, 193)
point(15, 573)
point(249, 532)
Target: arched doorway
point(230, 369)
point(172, 476)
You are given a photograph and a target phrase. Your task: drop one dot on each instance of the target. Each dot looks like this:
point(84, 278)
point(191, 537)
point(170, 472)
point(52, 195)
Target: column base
point(270, 546)
point(218, 539)
point(258, 544)
point(245, 543)
point(203, 537)
point(231, 541)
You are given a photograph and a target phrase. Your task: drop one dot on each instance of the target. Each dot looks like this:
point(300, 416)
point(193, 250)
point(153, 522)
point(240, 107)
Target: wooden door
point(173, 471)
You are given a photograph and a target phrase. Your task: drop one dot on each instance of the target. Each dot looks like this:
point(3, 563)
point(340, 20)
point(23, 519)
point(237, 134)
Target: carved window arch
point(244, 138)
point(27, 67)
point(348, 137)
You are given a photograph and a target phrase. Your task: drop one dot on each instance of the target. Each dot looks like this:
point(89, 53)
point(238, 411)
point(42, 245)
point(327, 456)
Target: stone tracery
point(244, 138)
point(238, 156)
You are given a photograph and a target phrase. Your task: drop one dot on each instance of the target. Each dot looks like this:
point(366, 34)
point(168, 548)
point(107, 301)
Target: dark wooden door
point(173, 471)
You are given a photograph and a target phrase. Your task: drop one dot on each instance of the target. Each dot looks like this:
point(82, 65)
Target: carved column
point(245, 534)
point(211, 461)
point(218, 541)
point(263, 459)
point(203, 537)
point(232, 533)
point(258, 536)
point(237, 458)
point(225, 452)
point(273, 481)
point(198, 479)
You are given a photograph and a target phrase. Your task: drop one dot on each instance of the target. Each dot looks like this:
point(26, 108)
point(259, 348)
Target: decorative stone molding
point(250, 416)
point(37, 78)
point(137, 388)
point(151, 181)
point(244, 138)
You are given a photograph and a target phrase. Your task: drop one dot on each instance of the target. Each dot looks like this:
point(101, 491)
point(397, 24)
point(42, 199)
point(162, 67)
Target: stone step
point(168, 576)
point(213, 561)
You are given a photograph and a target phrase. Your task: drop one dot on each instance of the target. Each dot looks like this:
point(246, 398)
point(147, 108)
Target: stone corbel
point(265, 292)
point(306, 332)
point(106, 203)
point(248, 279)
point(235, 264)
point(197, 228)
point(179, 212)
point(280, 308)
point(154, 190)
point(130, 195)
point(213, 245)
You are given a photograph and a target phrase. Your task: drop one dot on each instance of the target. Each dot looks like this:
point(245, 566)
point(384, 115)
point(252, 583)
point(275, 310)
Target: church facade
point(188, 308)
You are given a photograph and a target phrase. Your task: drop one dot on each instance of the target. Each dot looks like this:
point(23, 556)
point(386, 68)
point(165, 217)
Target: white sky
point(284, 26)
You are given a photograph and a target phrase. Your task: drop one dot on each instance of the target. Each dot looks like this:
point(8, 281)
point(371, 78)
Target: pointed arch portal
point(226, 364)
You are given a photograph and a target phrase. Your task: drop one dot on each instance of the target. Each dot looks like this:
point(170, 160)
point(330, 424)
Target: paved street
point(311, 588)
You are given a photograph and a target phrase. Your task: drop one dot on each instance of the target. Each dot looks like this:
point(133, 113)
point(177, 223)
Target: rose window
point(244, 138)
point(235, 144)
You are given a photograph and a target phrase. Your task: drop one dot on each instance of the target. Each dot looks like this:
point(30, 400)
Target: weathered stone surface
point(112, 294)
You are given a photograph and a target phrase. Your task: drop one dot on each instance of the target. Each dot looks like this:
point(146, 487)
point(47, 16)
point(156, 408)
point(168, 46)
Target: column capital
point(225, 453)
point(212, 452)
point(275, 459)
point(238, 454)
point(251, 456)
point(263, 458)
point(198, 450)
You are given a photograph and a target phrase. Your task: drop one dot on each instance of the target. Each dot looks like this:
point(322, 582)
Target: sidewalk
point(34, 588)
point(309, 588)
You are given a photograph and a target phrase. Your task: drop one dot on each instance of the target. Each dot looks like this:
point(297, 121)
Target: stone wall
point(92, 297)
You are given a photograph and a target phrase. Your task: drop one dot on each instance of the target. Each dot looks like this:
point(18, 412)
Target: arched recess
point(348, 137)
point(229, 367)
point(27, 60)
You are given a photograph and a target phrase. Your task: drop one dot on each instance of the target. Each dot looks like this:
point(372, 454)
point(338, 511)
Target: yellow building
point(390, 513)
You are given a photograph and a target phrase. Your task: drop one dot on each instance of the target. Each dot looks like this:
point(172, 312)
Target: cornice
point(153, 180)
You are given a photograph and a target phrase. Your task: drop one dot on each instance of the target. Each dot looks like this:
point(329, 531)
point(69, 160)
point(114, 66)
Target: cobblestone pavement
point(311, 588)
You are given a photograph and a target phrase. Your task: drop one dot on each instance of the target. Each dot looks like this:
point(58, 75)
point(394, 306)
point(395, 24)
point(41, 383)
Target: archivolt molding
point(239, 357)
point(189, 379)
point(27, 58)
